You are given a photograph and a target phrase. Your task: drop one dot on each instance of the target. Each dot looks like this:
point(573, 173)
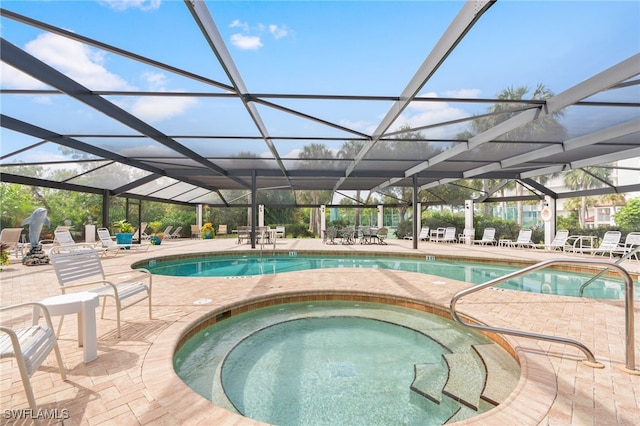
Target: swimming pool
point(356, 363)
point(551, 281)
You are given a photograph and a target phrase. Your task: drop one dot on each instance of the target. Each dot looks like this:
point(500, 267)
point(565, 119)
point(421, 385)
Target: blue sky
point(313, 47)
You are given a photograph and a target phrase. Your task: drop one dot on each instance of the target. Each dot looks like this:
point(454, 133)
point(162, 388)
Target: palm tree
point(547, 128)
point(583, 179)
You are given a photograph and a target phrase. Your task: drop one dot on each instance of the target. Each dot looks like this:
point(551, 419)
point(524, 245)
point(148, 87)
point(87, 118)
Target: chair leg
point(63, 372)
point(118, 315)
point(60, 326)
point(26, 383)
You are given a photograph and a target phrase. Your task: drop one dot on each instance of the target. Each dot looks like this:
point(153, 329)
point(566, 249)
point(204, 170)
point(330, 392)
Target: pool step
point(471, 382)
point(429, 380)
point(466, 378)
point(500, 380)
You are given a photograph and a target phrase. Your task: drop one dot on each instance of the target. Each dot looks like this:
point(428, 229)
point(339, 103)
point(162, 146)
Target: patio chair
point(558, 242)
point(631, 242)
point(330, 235)
point(381, 235)
point(524, 239)
point(175, 234)
point(348, 235)
point(30, 346)
point(436, 234)
point(63, 242)
point(83, 268)
point(488, 237)
point(167, 231)
point(11, 237)
point(280, 232)
point(195, 231)
point(468, 234)
point(244, 233)
point(222, 230)
point(110, 246)
point(610, 243)
point(136, 235)
point(422, 235)
point(449, 236)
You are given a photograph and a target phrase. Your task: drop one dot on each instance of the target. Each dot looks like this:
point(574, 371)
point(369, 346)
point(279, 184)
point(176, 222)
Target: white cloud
point(463, 93)
point(278, 32)
point(77, 61)
point(122, 5)
point(245, 42)
point(155, 109)
point(420, 114)
point(86, 66)
point(237, 24)
point(366, 127)
point(250, 37)
point(15, 79)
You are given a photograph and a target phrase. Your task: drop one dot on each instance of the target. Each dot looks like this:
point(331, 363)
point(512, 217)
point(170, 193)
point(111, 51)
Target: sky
point(313, 47)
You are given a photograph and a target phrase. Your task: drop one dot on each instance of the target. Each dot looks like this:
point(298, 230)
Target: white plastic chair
point(524, 239)
point(30, 346)
point(449, 236)
point(488, 237)
point(84, 268)
point(63, 242)
point(558, 242)
point(11, 237)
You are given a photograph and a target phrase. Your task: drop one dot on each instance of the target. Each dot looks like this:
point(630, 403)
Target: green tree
point(583, 179)
point(316, 156)
point(348, 151)
point(628, 217)
point(16, 204)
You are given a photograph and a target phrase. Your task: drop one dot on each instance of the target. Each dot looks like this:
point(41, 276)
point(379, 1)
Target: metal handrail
point(604, 271)
point(591, 361)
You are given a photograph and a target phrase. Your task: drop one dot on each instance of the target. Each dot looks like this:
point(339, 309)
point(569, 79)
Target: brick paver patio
point(132, 382)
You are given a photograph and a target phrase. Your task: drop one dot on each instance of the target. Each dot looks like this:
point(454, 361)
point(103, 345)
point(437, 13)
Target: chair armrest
point(145, 272)
point(43, 309)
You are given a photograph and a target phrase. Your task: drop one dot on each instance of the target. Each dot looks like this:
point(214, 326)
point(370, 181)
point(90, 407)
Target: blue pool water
point(544, 281)
point(329, 363)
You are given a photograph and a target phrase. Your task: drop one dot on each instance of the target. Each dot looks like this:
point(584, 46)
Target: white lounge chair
point(110, 246)
point(559, 241)
point(524, 239)
point(631, 242)
point(83, 268)
point(449, 236)
point(173, 235)
point(610, 243)
point(488, 237)
point(30, 346)
point(11, 237)
point(423, 235)
point(64, 242)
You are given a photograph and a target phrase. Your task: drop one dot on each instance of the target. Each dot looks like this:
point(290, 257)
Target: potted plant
point(4, 255)
point(207, 231)
point(156, 239)
point(124, 232)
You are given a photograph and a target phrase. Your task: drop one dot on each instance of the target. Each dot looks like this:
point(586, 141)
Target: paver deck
point(132, 382)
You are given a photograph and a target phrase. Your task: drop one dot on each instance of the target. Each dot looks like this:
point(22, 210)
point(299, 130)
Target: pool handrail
point(604, 271)
point(591, 361)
